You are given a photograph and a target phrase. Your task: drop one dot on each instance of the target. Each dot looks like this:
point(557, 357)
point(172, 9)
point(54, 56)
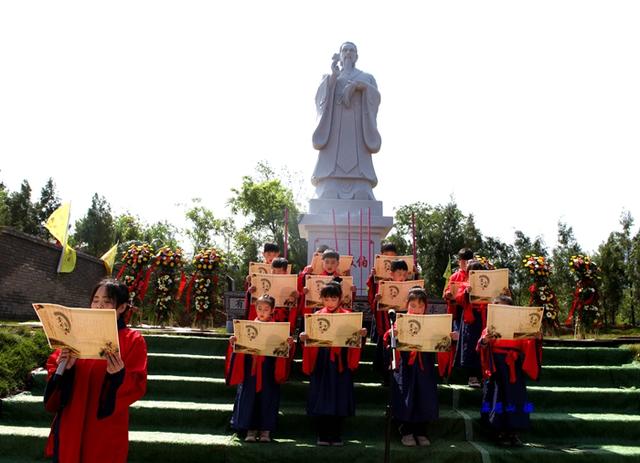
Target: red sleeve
point(234, 367)
point(293, 318)
point(371, 294)
point(385, 338)
point(283, 366)
point(530, 364)
point(302, 277)
point(134, 385)
point(445, 362)
point(52, 402)
point(462, 299)
point(282, 370)
point(301, 296)
point(309, 357)
point(353, 358)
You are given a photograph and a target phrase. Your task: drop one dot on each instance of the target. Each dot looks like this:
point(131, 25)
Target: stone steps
point(587, 409)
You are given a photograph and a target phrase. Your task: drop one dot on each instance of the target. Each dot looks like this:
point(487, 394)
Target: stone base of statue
point(359, 229)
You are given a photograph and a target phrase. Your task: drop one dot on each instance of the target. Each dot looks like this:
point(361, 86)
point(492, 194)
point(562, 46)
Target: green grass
point(635, 349)
point(21, 350)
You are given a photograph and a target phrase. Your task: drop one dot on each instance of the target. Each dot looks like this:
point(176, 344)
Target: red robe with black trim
point(234, 367)
point(310, 354)
point(82, 437)
point(445, 359)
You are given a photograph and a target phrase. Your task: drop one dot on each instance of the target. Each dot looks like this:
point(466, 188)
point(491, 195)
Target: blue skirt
point(331, 392)
point(504, 404)
point(415, 391)
point(257, 410)
point(466, 355)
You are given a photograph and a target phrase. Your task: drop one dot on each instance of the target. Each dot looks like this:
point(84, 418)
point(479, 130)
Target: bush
point(21, 350)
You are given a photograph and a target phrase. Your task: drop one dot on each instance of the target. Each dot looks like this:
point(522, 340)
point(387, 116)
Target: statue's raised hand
point(334, 64)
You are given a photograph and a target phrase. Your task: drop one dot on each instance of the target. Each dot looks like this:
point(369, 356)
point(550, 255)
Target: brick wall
point(28, 274)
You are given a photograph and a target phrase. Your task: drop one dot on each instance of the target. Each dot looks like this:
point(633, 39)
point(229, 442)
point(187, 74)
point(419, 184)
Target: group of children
point(495, 365)
point(91, 398)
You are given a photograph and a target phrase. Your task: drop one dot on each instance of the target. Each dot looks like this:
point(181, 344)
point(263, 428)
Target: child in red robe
point(381, 360)
point(330, 368)
point(330, 262)
point(258, 377)
point(270, 251)
point(468, 318)
point(505, 365)
point(379, 324)
point(91, 398)
point(414, 387)
point(289, 312)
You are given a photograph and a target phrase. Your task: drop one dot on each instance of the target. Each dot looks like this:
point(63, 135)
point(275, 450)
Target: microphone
point(392, 316)
point(61, 367)
point(392, 339)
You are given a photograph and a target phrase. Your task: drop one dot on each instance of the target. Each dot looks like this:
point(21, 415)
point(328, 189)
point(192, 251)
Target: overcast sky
point(525, 112)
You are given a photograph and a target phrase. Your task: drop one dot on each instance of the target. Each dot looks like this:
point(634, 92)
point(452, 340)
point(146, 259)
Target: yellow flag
point(109, 258)
point(58, 226)
point(447, 272)
point(68, 260)
point(58, 222)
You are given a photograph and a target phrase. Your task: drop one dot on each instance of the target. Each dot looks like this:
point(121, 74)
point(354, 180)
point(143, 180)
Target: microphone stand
point(388, 412)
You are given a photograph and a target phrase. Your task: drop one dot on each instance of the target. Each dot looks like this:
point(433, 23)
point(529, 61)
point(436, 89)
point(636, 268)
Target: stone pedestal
point(360, 228)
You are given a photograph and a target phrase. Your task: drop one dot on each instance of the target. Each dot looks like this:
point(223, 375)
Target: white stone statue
point(347, 102)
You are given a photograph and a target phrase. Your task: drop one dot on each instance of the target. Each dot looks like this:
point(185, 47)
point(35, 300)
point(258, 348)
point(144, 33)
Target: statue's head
point(348, 51)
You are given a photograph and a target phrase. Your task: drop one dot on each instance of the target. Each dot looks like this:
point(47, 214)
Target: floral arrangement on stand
point(585, 314)
point(541, 294)
point(204, 291)
point(169, 280)
point(484, 261)
point(135, 273)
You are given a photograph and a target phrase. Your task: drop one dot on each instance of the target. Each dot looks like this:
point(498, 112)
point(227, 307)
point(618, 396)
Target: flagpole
point(335, 230)
point(286, 232)
point(413, 233)
point(360, 258)
point(369, 239)
point(349, 232)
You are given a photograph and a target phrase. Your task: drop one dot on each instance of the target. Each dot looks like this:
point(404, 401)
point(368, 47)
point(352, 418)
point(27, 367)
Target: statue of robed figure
point(347, 103)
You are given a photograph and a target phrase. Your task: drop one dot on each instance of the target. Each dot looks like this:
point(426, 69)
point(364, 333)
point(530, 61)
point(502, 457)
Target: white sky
point(153, 103)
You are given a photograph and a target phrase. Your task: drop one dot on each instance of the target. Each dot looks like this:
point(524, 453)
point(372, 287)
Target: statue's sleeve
point(324, 106)
point(370, 104)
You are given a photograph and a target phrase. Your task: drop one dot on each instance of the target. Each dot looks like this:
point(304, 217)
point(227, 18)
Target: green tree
point(22, 212)
point(160, 234)
point(628, 308)
point(205, 227)
point(612, 286)
point(263, 200)
point(562, 280)
point(49, 202)
point(503, 255)
point(94, 233)
point(127, 228)
point(5, 217)
point(616, 258)
point(634, 276)
point(441, 231)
